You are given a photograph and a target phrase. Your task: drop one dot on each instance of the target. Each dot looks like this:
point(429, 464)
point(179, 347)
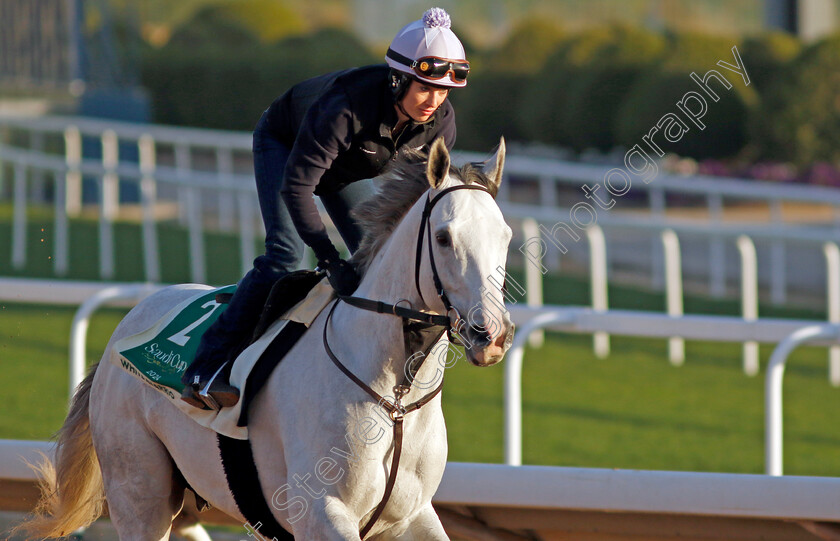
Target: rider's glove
point(341, 274)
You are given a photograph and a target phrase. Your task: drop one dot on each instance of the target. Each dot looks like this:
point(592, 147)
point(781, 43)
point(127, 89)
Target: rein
point(396, 410)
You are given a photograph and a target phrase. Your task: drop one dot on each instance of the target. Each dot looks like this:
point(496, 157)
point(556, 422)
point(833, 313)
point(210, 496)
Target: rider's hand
point(341, 274)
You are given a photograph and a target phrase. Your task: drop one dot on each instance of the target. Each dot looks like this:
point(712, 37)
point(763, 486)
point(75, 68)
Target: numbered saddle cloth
point(160, 354)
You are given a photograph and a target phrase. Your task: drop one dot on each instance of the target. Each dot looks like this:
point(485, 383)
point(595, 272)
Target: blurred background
point(125, 157)
point(587, 76)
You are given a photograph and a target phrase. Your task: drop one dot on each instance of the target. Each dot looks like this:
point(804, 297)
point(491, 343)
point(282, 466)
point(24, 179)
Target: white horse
point(322, 450)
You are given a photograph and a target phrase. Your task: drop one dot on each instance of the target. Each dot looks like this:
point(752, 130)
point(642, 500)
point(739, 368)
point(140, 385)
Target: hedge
point(657, 92)
point(229, 88)
point(601, 87)
point(800, 115)
point(595, 97)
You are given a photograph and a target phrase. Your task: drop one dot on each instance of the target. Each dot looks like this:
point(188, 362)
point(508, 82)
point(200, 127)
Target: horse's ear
point(438, 166)
point(494, 175)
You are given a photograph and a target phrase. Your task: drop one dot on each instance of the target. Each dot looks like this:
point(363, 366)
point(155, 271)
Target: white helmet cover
point(429, 36)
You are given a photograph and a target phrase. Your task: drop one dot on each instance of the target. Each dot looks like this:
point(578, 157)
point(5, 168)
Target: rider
point(328, 136)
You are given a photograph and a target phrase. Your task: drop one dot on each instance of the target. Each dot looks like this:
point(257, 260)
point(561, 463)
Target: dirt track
point(101, 530)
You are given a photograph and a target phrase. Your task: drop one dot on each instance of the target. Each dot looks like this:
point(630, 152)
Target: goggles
point(434, 68)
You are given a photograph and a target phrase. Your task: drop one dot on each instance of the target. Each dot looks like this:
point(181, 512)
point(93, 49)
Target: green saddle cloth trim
point(162, 353)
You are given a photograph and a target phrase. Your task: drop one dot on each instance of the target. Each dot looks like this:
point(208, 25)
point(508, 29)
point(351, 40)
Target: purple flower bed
point(818, 174)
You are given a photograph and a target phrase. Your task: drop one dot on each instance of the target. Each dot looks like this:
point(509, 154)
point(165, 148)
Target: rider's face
point(421, 100)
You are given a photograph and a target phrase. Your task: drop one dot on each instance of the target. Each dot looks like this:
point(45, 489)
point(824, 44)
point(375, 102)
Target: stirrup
point(191, 397)
point(217, 394)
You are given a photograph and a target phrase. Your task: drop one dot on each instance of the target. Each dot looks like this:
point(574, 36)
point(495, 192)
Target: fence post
point(717, 249)
point(183, 165)
point(749, 299)
point(196, 237)
point(189, 203)
point(778, 293)
point(4, 140)
point(19, 222)
point(38, 181)
point(832, 259)
point(533, 282)
point(109, 202)
point(598, 274)
point(657, 213)
point(513, 382)
point(548, 200)
point(61, 244)
point(73, 178)
point(673, 292)
point(773, 391)
point(224, 164)
point(81, 321)
point(148, 200)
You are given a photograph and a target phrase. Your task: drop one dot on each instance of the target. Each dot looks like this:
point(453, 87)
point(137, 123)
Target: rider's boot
point(206, 379)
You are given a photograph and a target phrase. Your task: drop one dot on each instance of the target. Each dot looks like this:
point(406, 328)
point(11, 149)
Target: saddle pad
point(153, 350)
point(160, 354)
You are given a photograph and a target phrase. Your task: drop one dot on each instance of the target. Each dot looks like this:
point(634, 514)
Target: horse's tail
point(72, 492)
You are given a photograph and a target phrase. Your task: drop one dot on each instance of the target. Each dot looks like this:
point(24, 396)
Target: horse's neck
point(374, 347)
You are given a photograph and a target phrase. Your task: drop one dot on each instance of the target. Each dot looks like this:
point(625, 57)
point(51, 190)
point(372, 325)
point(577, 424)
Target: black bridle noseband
point(412, 319)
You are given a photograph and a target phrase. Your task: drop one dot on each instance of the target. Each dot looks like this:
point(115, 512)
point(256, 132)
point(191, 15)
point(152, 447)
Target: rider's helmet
point(427, 50)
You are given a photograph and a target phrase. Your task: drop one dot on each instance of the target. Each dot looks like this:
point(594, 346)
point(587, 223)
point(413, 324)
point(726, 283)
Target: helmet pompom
point(436, 17)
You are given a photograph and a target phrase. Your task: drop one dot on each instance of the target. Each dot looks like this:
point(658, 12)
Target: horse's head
point(464, 253)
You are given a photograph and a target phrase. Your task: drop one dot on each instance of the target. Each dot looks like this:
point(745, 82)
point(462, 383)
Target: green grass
point(631, 410)
point(634, 410)
point(34, 346)
point(221, 250)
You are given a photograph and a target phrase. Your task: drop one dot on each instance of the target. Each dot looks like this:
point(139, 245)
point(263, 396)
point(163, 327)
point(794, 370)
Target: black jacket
point(338, 127)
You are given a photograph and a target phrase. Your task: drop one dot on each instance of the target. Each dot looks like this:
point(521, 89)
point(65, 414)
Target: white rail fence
point(545, 228)
point(549, 502)
point(210, 170)
point(787, 333)
point(673, 273)
point(496, 501)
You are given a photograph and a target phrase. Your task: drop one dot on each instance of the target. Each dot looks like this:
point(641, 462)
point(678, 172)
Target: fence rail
point(546, 230)
point(210, 169)
point(495, 501)
point(787, 333)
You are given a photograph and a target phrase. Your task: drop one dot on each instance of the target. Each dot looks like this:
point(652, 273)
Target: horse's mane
point(400, 187)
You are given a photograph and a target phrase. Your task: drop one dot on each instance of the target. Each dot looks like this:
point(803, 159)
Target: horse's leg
point(187, 524)
point(327, 519)
point(424, 526)
point(140, 485)
point(194, 532)
point(143, 496)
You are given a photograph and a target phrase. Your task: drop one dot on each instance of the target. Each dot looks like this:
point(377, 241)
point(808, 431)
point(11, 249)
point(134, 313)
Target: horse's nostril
point(481, 334)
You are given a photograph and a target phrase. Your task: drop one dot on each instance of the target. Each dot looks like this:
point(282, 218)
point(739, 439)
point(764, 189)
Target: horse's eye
point(443, 239)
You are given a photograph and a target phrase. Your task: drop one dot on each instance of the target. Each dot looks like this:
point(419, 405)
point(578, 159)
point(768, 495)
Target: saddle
point(159, 355)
